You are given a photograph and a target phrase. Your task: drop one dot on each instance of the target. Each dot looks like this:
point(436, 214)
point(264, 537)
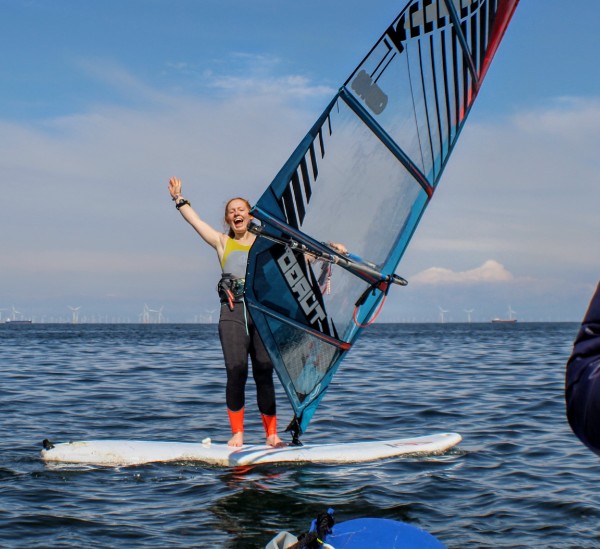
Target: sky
point(102, 101)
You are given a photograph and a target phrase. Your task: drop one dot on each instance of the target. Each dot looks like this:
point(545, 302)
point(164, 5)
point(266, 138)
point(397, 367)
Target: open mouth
point(238, 222)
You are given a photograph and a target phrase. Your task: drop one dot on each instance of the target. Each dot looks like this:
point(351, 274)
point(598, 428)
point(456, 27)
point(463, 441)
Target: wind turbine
point(511, 313)
point(210, 314)
point(157, 317)
point(145, 315)
point(469, 311)
point(442, 311)
point(74, 314)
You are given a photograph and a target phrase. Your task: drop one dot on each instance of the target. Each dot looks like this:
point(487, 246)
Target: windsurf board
point(132, 452)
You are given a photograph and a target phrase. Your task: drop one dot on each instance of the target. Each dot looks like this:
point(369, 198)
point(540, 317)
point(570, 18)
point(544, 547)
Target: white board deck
point(131, 452)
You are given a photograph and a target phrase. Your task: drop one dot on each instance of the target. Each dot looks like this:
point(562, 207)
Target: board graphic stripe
point(438, 118)
point(313, 161)
point(298, 199)
point(449, 124)
point(460, 24)
point(455, 84)
point(293, 201)
point(483, 35)
point(473, 39)
point(422, 70)
point(288, 203)
point(305, 179)
point(321, 143)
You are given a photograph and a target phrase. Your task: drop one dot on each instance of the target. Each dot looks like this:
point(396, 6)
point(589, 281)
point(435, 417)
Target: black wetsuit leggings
point(238, 340)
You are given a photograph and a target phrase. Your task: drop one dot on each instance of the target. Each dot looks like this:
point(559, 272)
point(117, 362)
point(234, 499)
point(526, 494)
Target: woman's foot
point(275, 442)
point(236, 440)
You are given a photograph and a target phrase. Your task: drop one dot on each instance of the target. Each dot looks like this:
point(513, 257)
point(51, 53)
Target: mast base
point(294, 429)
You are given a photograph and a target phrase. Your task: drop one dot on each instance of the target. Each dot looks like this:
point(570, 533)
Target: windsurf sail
point(362, 177)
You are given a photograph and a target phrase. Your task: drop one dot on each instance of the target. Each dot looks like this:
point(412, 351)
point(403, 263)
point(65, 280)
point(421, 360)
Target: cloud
point(94, 183)
point(490, 272)
point(261, 75)
point(85, 195)
point(295, 86)
point(521, 190)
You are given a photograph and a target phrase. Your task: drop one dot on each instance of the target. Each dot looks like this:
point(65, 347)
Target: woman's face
point(238, 216)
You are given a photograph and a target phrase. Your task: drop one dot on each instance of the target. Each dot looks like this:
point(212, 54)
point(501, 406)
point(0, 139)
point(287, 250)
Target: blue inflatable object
point(374, 533)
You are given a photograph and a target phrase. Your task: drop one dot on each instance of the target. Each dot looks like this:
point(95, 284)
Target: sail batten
point(363, 177)
point(385, 139)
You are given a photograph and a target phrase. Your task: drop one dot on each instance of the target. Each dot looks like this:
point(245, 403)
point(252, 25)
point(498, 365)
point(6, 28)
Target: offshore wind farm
point(75, 315)
point(160, 315)
point(79, 315)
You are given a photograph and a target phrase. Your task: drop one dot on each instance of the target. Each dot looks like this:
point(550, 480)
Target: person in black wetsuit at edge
point(239, 339)
point(582, 386)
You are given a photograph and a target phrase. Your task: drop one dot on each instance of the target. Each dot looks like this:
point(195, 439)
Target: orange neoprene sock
point(236, 420)
point(270, 424)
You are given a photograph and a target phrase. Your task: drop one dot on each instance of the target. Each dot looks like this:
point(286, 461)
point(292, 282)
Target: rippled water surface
point(519, 478)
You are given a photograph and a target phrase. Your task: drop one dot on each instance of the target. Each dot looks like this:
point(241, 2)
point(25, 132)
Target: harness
point(231, 289)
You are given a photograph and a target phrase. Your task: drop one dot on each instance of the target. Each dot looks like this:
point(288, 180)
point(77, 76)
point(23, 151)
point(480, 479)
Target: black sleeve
point(582, 388)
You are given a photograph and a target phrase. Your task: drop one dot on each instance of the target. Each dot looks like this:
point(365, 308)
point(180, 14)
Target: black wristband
point(182, 203)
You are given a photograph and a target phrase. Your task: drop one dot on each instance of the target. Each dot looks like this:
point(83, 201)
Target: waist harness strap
point(231, 289)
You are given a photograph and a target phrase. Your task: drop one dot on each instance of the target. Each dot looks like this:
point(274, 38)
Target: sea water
point(520, 478)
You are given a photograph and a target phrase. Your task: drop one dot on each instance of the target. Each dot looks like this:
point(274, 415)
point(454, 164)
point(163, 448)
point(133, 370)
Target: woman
point(239, 339)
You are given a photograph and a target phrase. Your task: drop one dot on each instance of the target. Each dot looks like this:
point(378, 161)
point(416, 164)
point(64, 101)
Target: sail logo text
point(424, 17)
point(371, 93)
point(300, 287)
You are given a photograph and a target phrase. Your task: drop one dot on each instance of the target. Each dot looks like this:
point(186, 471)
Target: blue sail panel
point(421, 77)
point(363, 177)
point(330, 196)
point(289, 311)
point(324, 196)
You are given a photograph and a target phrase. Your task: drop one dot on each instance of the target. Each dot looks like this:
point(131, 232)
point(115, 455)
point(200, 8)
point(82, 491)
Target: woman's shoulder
point(221, 243)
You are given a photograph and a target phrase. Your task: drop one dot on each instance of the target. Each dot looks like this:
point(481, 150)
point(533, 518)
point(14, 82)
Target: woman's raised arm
point(211, 236)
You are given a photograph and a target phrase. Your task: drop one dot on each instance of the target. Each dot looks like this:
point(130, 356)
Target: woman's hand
point(175, 187)
point(340, 248)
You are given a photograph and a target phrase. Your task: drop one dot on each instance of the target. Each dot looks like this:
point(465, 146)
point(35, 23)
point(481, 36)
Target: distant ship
point(9, 321)
point(509, 320)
